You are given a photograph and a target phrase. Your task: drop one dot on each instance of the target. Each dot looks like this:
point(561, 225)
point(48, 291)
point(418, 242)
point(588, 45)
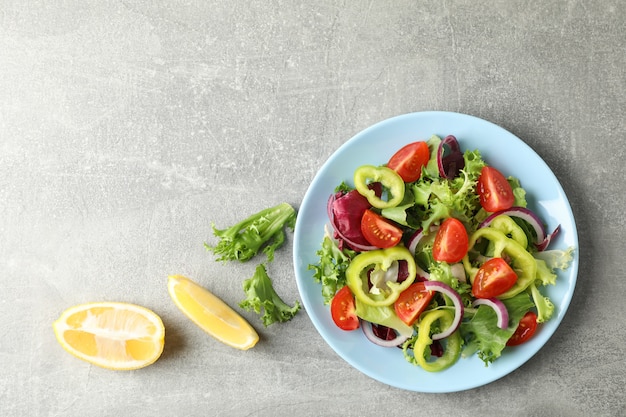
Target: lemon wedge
point(212, 314)
point(112, 335)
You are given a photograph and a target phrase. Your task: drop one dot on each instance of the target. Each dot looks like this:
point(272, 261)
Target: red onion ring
point(458, 306)
point(414, 240)
point(498, 306)
point(369, 333)
point(546, 242)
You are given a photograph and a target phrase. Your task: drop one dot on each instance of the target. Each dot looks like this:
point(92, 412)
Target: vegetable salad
point(436, 252)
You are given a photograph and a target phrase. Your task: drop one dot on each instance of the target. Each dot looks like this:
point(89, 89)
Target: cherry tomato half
point(451, 241)
point(525, 329)
point(343, 310)
point(412, 302)
point(494, 191)
point(409, 160)
point(378, 231)
point(494, 277)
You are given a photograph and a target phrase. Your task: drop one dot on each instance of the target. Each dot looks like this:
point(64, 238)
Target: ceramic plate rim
point(375, 145)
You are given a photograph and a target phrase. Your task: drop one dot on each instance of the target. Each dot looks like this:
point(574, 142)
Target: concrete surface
point(127, 127)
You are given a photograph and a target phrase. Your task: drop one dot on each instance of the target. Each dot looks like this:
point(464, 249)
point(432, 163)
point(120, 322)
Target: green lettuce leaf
point(545, 307)
point(518, 192)
point(438, 198)
point(483, 336)
point(545, 275)
point(331, 269)
point(557, 259)
point(261, 231)
point(262, 298)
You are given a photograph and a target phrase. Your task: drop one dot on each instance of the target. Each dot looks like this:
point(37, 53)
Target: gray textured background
point(127, 127)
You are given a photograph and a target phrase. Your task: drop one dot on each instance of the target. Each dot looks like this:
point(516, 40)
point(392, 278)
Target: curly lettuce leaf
point(437, 212)
point(442, 272)
point(545, 307)
point(261, 231)
point(331, 269)
point(439, 198)
point(556, 258)
point(545, 275)
point(547, 263)
point(262, 298)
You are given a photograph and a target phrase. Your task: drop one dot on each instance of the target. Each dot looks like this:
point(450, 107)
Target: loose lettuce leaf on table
point(262, 298)
point(261, 231)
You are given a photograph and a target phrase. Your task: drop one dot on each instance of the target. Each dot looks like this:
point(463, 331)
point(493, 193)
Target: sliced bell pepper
point(507, 225)
point(365, 263)
point(392, 183)
point(383, 315)
point(518, 257)
point(421, 349)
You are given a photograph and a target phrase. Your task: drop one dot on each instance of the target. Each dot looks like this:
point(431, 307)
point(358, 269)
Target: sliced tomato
point(525, 329)
point(494, 191)
point(409, 160)
point(494, 277)
point(378, 231)
point(412, 302)
point(343, 310)
point(451, 241)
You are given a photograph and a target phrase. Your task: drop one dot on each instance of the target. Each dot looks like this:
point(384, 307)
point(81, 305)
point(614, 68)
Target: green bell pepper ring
point(421, 349)
point(507, 225)
point(384, 315)
point(357, 275)
point(519, 258)
point(391, 181)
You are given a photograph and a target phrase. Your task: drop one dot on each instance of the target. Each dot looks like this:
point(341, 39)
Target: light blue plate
point(375, 145)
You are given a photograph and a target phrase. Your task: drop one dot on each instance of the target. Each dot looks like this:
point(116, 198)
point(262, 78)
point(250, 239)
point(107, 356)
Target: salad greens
point(261, 232)
point(438, 194)
point(331, 269)
point(260, 295)
point(483, 336)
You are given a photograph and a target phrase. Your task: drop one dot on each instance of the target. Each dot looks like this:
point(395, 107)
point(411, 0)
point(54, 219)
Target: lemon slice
point(113, 335)
point(212, 314)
